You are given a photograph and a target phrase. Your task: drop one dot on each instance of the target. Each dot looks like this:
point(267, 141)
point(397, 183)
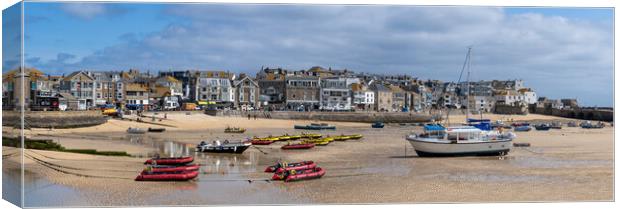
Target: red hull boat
point(296, 175)
point(167, 176)
point(291, 166)
point(171, 161)
point(165, 168)
point(261, 142)
point(298, 146)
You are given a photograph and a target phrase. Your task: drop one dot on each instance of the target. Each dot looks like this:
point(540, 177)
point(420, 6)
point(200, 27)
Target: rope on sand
point(260, 150)
point(58, 168)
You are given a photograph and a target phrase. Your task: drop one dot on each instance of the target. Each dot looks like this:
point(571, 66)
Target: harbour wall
point(578, 113)
point(54, 119)
point(364, 117)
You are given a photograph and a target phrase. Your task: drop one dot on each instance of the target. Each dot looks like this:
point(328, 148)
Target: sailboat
point(461, 140)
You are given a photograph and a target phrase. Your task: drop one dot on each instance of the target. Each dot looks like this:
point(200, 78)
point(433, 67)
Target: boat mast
point(466, 64)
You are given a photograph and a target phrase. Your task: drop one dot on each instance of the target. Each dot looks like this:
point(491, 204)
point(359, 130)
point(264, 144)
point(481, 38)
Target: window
point(204, 88)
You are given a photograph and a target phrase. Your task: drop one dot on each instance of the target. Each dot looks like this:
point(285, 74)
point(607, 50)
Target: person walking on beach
point(254, 116)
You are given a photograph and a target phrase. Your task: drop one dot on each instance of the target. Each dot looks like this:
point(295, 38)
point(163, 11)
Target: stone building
point(383, 97)
point(247, 93)
point(272, 84)
point(80, 85)
point(303, 92)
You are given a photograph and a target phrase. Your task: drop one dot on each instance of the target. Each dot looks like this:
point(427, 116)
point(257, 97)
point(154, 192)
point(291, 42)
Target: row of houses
point(316, 88)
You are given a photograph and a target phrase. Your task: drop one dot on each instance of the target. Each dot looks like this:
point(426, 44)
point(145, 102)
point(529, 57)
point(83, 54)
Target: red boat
point(262, 142)
point(291, 166)
point(169, 168)
point(296, 175)
point(298, 146)
point(167, 176)
point(171, 161)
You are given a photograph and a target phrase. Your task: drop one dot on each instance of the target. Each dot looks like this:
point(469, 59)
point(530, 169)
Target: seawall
point(54, 119)
point(364, 117)
point(578, 113)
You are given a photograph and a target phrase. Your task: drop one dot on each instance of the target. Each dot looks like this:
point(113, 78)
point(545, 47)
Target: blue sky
point(552, 49)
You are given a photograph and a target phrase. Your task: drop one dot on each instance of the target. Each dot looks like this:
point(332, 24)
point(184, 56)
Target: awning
point(431, 127)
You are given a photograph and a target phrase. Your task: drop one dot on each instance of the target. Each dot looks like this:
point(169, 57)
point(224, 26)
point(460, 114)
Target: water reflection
point(222, 163)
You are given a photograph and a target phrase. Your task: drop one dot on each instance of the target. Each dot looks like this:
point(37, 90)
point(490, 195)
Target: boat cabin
point(463, 133)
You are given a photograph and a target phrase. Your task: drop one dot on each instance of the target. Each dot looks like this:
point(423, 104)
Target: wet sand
point(571, 164)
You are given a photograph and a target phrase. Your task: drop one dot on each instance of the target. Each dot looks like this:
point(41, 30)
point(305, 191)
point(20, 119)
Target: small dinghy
point(298, 146)
point(234, 130)
point(170, 161)
point(589, 125)
point(290, 166)
point(156, 129)
point(572, 124)
point(167, 176)
point(542, 127)
point(556, 125)
point(377, 125)
point(135, 131)
point(520, 124)
point(171, 168)
point(296, 175)
point(522, 144)
point(523, 128)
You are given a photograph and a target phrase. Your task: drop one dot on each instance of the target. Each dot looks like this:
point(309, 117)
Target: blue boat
point(482, 124)
point(377, 125)
point(542, 127)
point(315, 126)
point(523, 128)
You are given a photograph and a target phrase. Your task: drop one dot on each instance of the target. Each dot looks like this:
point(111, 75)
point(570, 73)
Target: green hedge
point(53, 146)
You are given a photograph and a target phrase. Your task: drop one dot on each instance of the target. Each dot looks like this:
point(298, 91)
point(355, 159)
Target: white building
point(336, 93)
point(215, 87)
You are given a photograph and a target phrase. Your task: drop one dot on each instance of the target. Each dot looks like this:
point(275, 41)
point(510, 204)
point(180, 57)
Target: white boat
point(460, 141)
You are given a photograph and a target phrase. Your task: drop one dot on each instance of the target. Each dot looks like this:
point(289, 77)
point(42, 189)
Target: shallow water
point(39, 192)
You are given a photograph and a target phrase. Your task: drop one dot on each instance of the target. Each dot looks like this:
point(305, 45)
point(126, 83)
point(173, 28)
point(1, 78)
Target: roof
point(239, 81)
point(135, 87)
point(73, 74)
point(379, 87)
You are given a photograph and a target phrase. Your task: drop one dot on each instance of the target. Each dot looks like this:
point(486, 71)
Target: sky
point(559, 52)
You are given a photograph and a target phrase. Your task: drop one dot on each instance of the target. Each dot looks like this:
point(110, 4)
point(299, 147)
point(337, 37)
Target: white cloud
point(84, 10)
point(429, 42)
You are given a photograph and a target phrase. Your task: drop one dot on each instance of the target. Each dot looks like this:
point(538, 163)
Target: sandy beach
point(570, 164)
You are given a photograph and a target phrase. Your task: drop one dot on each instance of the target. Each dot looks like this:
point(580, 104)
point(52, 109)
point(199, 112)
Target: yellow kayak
point(317, 141)
point(330, 139)
point(269, 138)
point(284, 137)
point(323, 143)
point(293, 137)
point(311, 136)
point(341, 138)
point(356, 136)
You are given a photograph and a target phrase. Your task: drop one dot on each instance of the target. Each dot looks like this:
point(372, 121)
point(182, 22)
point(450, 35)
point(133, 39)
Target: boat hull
point(446, 149)
point(225, 149)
